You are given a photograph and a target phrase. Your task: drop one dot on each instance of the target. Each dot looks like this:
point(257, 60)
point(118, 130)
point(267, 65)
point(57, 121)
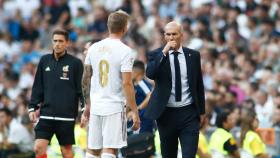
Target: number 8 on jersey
point(103, 72)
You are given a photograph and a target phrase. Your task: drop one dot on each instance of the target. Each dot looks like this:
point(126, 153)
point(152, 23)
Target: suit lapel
point(188, 64)
point(168, 68)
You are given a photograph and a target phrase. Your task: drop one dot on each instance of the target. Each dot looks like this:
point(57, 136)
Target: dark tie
point(178, 85)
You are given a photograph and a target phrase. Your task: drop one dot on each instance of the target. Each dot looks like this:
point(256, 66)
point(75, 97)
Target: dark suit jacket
point(158, 69)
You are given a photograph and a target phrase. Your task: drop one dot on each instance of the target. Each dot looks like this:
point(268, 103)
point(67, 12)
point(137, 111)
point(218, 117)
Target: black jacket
point(158, 69)
point(57, 87)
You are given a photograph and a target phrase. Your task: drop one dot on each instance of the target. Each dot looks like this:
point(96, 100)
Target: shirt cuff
point(163, 56)
point(83, 109)
point(31, 110)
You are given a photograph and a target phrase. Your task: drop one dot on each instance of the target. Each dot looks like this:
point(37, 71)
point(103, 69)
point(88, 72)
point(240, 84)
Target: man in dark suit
point(177, 102)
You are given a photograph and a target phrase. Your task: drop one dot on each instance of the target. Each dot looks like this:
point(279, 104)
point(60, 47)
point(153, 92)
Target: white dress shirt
point(186, 96)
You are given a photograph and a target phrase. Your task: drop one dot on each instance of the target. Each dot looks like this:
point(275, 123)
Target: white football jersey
point(108, 58)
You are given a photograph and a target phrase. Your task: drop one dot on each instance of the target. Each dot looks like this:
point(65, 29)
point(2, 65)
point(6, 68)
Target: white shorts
point(107, 131)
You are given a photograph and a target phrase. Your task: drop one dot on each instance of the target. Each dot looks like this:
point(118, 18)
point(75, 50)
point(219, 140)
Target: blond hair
point(117, 21)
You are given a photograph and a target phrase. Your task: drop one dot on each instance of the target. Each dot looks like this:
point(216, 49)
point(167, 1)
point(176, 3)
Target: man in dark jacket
point(56, 92)
point(177, 101)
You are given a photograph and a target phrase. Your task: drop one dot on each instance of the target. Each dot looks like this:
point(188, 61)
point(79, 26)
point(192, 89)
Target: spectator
point(27, 55)
point(27, 7)
point(16, 138)
point(99, 26)
point(264, 109)
point(59, 13)
point(222, 142)
point(276, 111)
point(251, 142)
point(9, 48)
point(203, 146)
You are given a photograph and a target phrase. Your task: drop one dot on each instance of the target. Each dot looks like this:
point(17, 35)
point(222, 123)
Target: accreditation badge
point(65, 71)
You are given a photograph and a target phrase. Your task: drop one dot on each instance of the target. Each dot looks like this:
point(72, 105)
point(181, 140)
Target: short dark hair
point(7, 111)
point(61, 32)
point(221, 118)
point(139, 65)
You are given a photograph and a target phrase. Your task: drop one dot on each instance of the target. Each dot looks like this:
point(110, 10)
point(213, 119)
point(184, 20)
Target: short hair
point(221, 118)
point(61, 32)
point(6, 111)
point(139, 65)
point(117, 21)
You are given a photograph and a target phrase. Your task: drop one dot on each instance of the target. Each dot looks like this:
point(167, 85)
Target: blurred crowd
point(239, 42)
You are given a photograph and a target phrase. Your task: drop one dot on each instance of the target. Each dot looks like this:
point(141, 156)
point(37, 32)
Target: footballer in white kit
point(107, 82)
point(107, 123)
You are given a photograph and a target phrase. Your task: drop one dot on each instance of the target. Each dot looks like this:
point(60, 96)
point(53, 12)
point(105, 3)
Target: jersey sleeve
point(37, 94)
point(202, 143)
point(127, 62)
point(78, 82)
point(256, 147)
point(144, 86)
point(230, 145)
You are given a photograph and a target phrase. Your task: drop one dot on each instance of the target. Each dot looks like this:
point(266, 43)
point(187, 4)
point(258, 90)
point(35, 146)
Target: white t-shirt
point(19, 135)
point(108, 58)
point(265, 113)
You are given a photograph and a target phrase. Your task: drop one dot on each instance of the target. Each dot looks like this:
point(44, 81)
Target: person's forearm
point(262, 156)
point(7, 145)
point(235, 154)
point(86, 81)
point(144, 104)
point(37, 90)
point(204, 155)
